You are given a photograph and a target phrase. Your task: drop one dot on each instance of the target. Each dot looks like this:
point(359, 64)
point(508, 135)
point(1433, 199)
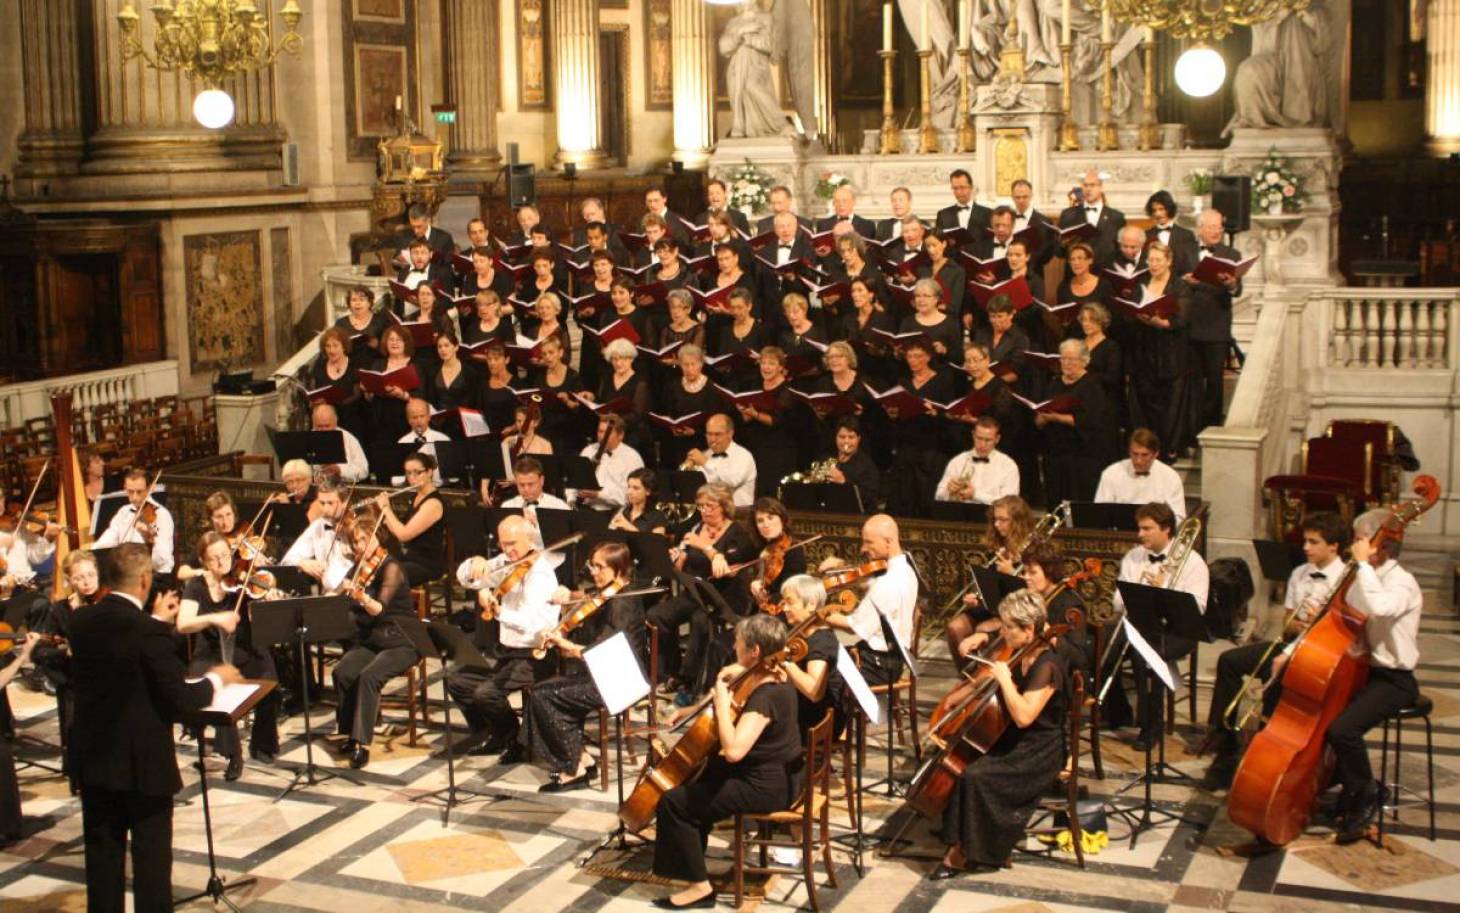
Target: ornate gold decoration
point(1011, 156)
point(1107, 138)
point(209, 39)
point(1069, 132)
point(891, 142)
point(1198, 19)
point(967, 136)
point(409, 156)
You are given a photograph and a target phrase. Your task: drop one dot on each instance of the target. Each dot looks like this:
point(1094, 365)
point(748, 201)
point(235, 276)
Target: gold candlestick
point(927, 133)
point(1106, 138)
point(967, 136)
point(1150, 137)
point(891, 141)
point(1069, 136)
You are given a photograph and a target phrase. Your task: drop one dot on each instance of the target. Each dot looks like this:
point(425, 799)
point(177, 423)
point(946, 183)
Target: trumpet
point(688, 465)
point(1043, 530)
point(819, 472)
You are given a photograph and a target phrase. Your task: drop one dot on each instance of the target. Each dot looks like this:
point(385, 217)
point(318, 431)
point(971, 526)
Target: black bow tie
point(1318, 575)
point(1143, 474)
point(844, 218)
point(1206, 249)
point(719, 455)
point(420, 438)
point(329, 526)
point(1092, 208)
point(529, 503)
point(979, 459)
point(784, 246)
point(963, 208)
point(1155, 559)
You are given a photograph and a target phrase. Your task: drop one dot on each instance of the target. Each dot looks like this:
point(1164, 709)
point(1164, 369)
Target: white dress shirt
point(1195, 578)
point(612, 473)
point(355, 467)
point(992, 479)
point(963, 213)
point(525, 611)
point(118, 533)
point(736, 468)
point(1119, 484)
point(1021, 219)
point(1092, 212)
point(894, 594)
point(17, 559)
point(1390, 597)
point(428, 440)
point(1303, 586)
point(1163, 233)
point(319, 543)
point(549, 501)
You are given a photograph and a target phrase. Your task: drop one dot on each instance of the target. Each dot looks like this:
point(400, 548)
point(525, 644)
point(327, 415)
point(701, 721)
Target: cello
point(1288, 763)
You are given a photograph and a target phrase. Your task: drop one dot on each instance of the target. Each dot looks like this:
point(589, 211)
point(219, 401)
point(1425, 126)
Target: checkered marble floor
point(371, 846)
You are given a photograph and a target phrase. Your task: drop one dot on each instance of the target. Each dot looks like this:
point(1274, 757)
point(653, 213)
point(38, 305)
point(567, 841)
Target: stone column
point(1442, 87)
point(50, 47)
point(694, 83)
point(472, 57)
point(575, 71)
point(821, 16)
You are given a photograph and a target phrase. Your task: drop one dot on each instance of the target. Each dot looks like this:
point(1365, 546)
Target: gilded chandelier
point(1202, 20)
point(209, 39)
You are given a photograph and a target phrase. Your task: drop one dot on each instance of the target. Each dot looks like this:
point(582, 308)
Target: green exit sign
point(445, 117)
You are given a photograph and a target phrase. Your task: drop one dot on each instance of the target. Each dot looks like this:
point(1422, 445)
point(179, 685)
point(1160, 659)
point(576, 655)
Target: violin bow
point(30, 499)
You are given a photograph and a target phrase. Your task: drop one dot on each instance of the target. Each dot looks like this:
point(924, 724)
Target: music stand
point(1277, 559)
point(911, 667)
point(301, 622)
point(14, 615)
point(451, 645)
point(470, 461)
point(469, 531)
point(578, 472)
point(287, 521)
point(651, 557)
point(1156, 613)
point(1106, 515)
point(682, 485)
point(218, 888)
point(317, 448)
point(291, 580)
point(961, 511)
point(823, 496)
point(387, 459)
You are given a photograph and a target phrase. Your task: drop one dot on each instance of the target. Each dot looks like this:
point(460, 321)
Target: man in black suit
point(595, 218)
point(421, 227)
point(718, 196)
point(1107, 221)
point(781, 201)
point(1209, 322)
point(1001, 223)
point(527, 218)
point(1130, 249)
point(790, 245)
point(424, 268)
point(843, 207)
point(964, 213)
point(913, 232)
point(1025, 215)
point(656, 203)
point(130, 691)
point(901, 201)
point(1161, 207)
point(476, 236)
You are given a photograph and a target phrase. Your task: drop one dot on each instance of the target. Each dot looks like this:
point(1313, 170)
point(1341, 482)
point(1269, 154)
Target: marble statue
point(943, 63)
point(795, 49)
point(1284, 82)
point(748, 42)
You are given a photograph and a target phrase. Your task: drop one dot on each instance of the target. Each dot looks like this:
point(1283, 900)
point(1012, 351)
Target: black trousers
point(1232, 667)
point(688, 813)
point(265, 733)
point(1387, 692)
point(107, 818)
point(482, 695)
point(9, 793)
point(686, 663)
point(556, 711)
point(360, 676)
point(1162, 405)
point(879, 667)
point(1208, 360)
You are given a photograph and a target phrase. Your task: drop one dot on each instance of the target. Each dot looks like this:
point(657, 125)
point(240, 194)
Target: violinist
point(323, 551)
point(777, 560)
point(1044, 574)
point(142, 520)
point(558, 707)
point(420, 531)
point(211, 607)
point(223, 520)
point(54, 659)
point(991, 802)
point(639, 515)
point(818, 684)
point(522, 605)
point(1011, 524)
point(613, 461)
point(29, 548)
point(756, 771)
point(892, 595)
point(11, 820)
point(380, 651)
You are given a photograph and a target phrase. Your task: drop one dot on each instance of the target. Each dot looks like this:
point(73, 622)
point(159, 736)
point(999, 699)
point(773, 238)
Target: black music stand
point(1106, 515)
point(471, 460)
point(387, 460)
point(1156, 613)
point(317, 448)
point(824, 496)
point(455, 650)
point(1277, 559)
point(301, 622)
point(578, 472)
point(961, 511)
point(911, 667)
point(681, 485)
point(287, 521)
point(218, 888)
point(469, 531)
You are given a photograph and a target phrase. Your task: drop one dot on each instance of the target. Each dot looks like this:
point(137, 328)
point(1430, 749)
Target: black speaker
point(1232, 197)
point(521, 185)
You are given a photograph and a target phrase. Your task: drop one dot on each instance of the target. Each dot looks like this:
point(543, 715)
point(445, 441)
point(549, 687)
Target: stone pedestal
point(241, 424)
point(782, 157)
point(1017, 125)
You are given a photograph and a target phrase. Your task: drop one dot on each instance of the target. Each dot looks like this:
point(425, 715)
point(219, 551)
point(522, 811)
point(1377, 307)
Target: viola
point(365, 570)
point(843, 577)
point(1286, 765)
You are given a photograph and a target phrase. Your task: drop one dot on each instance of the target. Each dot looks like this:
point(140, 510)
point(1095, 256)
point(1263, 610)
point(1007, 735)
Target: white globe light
point(213, 108)
point(1200, 71)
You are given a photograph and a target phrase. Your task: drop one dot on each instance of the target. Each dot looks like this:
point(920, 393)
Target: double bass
point(1288, 763)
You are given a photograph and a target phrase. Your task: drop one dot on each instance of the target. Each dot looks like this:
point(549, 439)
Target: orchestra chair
point(1421, 710)
point(902, 711)
point(413, 697)
point(811, 813)
point(1068, 805)
point(1384, 473)
point(1090, 705)
point(1190, 693)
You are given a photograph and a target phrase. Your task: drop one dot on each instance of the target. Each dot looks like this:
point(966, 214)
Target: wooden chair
point(413, 698)
point(1068, 804)
point(1384, 472)
point(811, 813)
point(1341, 459)
point(906, 712)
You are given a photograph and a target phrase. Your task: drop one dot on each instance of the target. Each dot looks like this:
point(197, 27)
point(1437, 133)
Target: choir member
point(543, 278)
point(1021, 192)
point(900, 202)
point(362, 325)
point(387, 412)
point(918, 446)
point(1005, 343)
point(801, 338)
point(497, 398)
point(560, 411)
point(965, 211)
point(782, 201)
point(1107, 363)
point(844, 205)
point(656, 203)
point(423, 228)
point(1076, 432)
point(333, 370)
point(867, 314)
point(670, 270)
point(718, 198)
point(681, 326)
point(688, 393)
point(420, 269)
point(1161, 207)
point(485, 276)
point(942, 329)
point(1093, 210)
point(1160, 357)
point(626, 385)
point(741, 333)
point(452, 385)
point(952, 280)
point(1209, 328)
point(488, 325)
point(547, 310)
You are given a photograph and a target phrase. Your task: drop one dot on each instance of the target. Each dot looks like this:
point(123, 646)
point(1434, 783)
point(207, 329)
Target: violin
point(514, 572)
point(8, 637)
point(248, 554)
point(586, 609)
point(843, 577)
point(365, 571)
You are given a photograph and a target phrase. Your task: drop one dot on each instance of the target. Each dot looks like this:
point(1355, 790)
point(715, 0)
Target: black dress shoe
point(1145, 741)
point(349, 747)
point(235, 768)
point(514, 754)
point(1358, 816)
point(704, 903)
point(262, 756)
point(578, 782)
point(359, 757)
point(943, 872)
point(495, 744)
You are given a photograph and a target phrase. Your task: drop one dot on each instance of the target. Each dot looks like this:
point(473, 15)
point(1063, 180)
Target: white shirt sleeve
point(356, 467)
point(1001, 479)
point(1105, 492)
point(956, 468)
point(111, 537)
point(162, 543)
point(1372, 596)
point(303, 547)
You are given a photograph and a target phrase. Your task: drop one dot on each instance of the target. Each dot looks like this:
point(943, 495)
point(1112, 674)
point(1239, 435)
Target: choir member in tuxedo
point(334, 369)
point(900, 201)
point(1005, 343)
point(593, 213)
point(1106, 220)
point(422, 269)
point(681, 325)
point(952, 280)
point(843, 206)
point(995, 243)
point(722, 234)
point(1025, 216)
point(487, 324)
point(964, 213)
point(801, 337)
point(563, 421)
point(774, 436)
point(717, 195)
point(943, 329)
point(477, 235)
point(741, 333)
point(454, 383)
point(781, 201)
point(527, 217)
point(918, 440)
point(789, 246)
point(543, 278)
point(130, 691)
point(1130, 253)
point(1159, 362)
point(362, 325)
point(1107, 361)
point(867, 314)
point(1076, 438)
point(598, 236)
point(656, 203)
point(654, 230)
point(853, 465)
point(913, 232)
point(422, 228)
point(485, 275)
point(387, 412)
point(1210, 323)
point(1161, 207)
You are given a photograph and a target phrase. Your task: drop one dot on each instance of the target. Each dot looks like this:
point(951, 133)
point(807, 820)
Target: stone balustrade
point(24, 401)
point(1373, 329)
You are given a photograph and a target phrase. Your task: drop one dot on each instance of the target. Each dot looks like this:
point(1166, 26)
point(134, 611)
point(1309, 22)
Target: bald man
point(1106, 220)
point(522, 613)
point(355, 467)
point(725, 461)
point(892, 595)
point(843, 214)
point(1209, 321)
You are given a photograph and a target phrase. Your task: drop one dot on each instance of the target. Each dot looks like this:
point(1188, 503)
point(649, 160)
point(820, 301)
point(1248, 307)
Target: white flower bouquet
point(1276, 188)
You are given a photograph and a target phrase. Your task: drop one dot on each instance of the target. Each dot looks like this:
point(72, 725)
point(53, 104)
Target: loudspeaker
point(521, 185)
point(511, 153)
point(1232, 197)
point(290, 157)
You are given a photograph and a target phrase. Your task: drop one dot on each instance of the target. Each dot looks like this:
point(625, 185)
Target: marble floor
point(369, 847)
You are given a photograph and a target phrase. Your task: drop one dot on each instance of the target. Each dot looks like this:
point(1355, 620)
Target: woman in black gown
point(454, 383)
point(1076, 435)
point(773, 433)
point(920, 451)
point(388, 411)
point(420, 531)
point(563, 421)
point(943, 329)
point(1159, 362)
point(335, 370)
point(688, 393)
point(487, 325)
point(1107, 362)
point(362, 325)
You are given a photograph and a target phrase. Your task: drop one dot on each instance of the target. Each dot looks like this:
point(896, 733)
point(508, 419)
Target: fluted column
point(575, 68)
point(821, 17)
point(472, 44)
point(51, 59)
point(694, 83)
point(1442, 85)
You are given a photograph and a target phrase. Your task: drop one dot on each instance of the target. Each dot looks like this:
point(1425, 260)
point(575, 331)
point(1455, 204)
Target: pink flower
point(1288, 190)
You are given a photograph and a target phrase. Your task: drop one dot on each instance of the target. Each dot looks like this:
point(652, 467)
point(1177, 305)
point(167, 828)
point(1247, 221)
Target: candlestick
point(887, 26)
point(1065, 25)
point(967, 136)
point(927, 134)
point(1069, 140)
point(1106, 137)
point(963, 20)
point(891, 141)
point(1150, 135)
point(1107, 26)
point(923, 43)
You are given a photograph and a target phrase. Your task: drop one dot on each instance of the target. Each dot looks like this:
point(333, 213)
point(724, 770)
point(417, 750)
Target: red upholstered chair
point(1380, 434)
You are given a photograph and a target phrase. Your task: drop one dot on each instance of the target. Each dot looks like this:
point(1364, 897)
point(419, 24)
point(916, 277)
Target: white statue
point(1284, 83)
point(942, 64)
point(748, 42)
point(795, 50)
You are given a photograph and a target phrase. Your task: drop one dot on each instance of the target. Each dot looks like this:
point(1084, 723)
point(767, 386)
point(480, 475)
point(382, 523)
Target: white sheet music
point(1152, 658)
point(616, 672)
point(228, 698)
point(853, 677)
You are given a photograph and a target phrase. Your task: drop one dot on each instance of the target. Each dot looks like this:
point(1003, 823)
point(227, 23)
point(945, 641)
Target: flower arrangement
point(750, 189)
point(829, 182)
point(1276, 187)
point(1199, 181)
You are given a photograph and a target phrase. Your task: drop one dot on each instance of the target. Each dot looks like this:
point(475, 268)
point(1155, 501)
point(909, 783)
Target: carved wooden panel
point(534, 91)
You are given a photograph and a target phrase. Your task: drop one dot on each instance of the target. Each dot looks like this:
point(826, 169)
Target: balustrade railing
point(1376, 328)
point(24, 401)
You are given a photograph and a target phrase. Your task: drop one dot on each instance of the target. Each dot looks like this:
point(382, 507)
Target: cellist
point(756, 770)
point(991, 802)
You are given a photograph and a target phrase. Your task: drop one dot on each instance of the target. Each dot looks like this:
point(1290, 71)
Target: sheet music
point(1152, 658)
point(615, 670)
point(228, 698)
point(853, 677)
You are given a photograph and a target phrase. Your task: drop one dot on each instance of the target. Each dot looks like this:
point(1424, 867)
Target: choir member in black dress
point(852, 254)
point(1084, 284)
point(1106, 359)
point(379, 651)
point(563, 420)
point(1077, 437)
point(730, 273)
point(1016, 428)
point(866, 314)
point(595, 312)
point(842, 376)
point(774, 436)
point(639, 515)
point(334, 368)
point(1032, 320)
point(742, 333)
point(485, 275)
point(627, 385)
point(801, 338)
point(681, 326)
point(818, 684)
point(1005, 343)
point(1159, 361)
point(454, 384)
point(853, 466)
point(546, 322)
point(496, 395)
point(943, 329)
point(688, 393)
point(362, 325)
point(420, 530)
point(756, 769)
point(991, 802)
point(487, 325)
point(919, 450)
point(556, 708)
point(388, 411)
point(951, 278)
point(642, 319)
point(669, 269)
point(432, 309)
point(207, 608)
point(772, 533)
point(543, 278)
